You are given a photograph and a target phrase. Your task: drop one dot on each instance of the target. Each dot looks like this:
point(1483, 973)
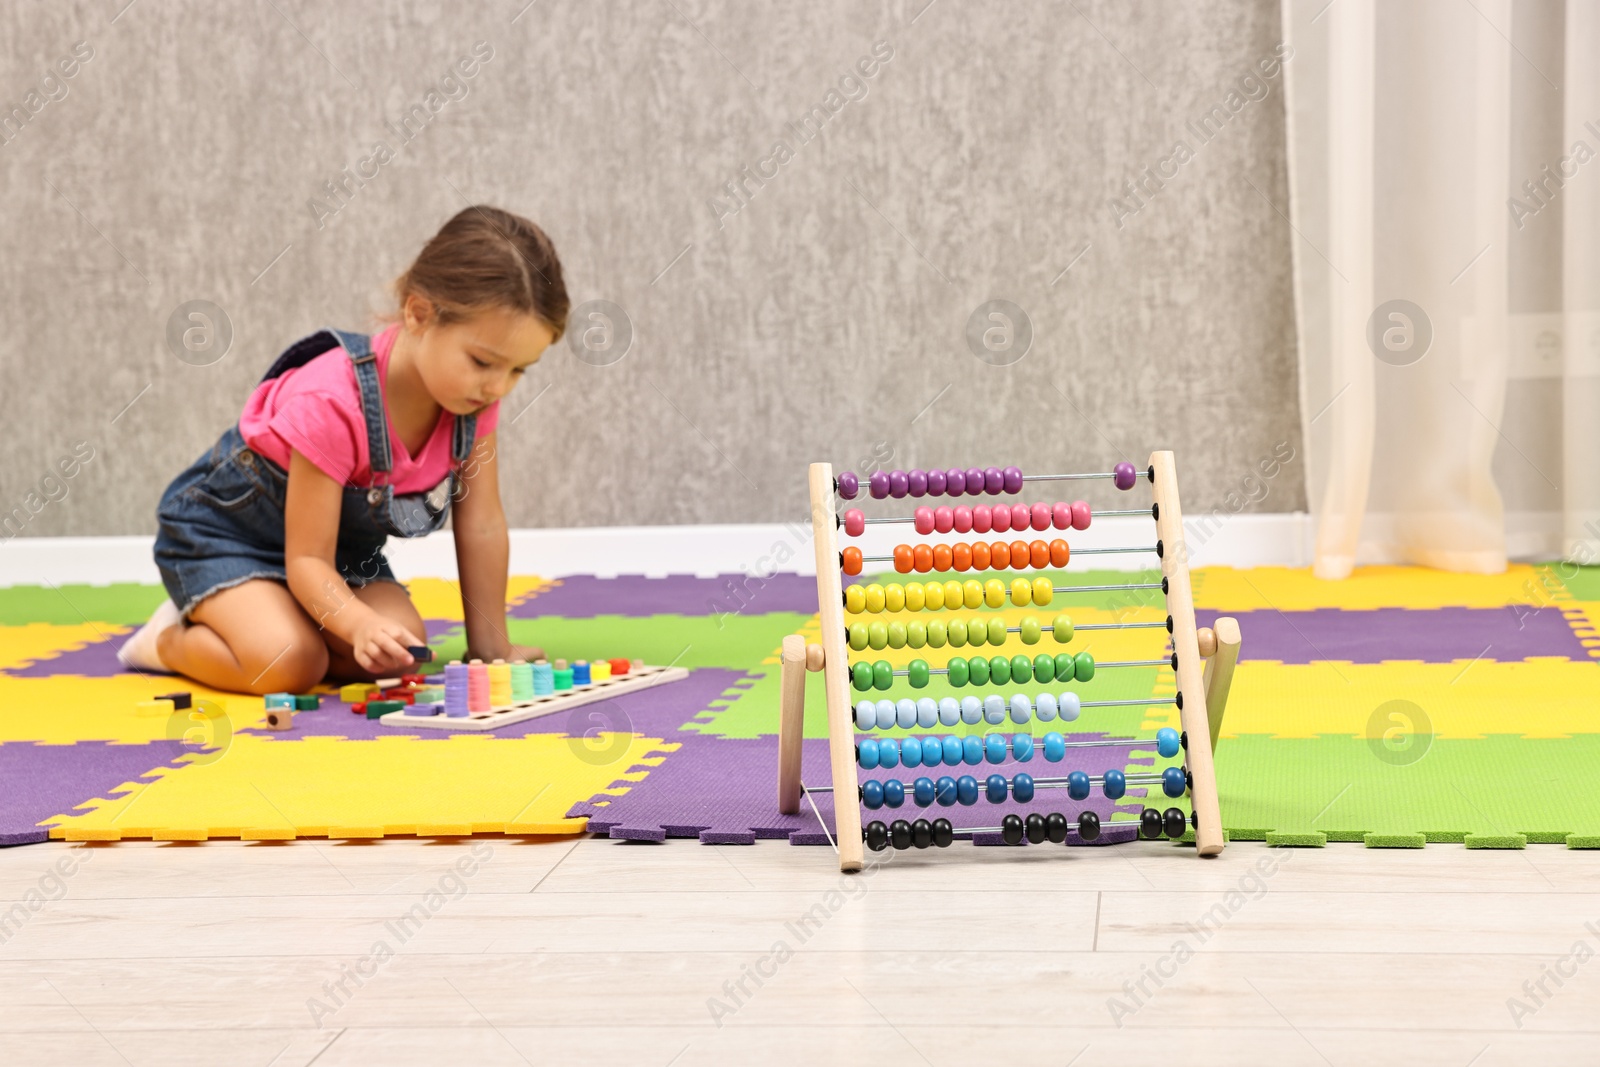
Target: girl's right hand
point(380, 646)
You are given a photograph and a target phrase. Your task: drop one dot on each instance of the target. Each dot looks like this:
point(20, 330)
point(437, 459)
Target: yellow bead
point(1021, 592)
point(915, 597)
point(874, 598)
point(997, 631)
point(894, 597)
point(972, 592)
point(933, 596)
point(994, 593)
point(1043, 591)
point(855, 599)
point(953, 595)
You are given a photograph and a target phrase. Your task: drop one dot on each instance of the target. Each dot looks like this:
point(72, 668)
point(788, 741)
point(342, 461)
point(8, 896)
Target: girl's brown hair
point(486, 257)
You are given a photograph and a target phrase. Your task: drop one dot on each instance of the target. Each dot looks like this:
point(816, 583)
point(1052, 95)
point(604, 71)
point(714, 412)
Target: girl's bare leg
point(389, 599)
point(252, 638)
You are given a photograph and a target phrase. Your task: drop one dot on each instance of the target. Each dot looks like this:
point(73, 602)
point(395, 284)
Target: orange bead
point(981, 556)
point(941, 557)
point(902, 558)
point(922, 558)
point(851, 557)
point(1000, 555)
point(1019, 554)
point(1059, 553)
point(961, 556)
point(1039, 554)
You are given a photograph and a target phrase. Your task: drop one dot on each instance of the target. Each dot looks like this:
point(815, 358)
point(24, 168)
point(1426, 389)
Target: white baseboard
point(1278, 539)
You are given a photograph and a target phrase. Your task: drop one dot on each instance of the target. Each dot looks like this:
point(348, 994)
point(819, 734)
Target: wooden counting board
point(637, 679)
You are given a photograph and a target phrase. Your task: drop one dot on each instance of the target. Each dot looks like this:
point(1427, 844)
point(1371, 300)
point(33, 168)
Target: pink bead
point(943, 519)
point(924, 520)
point(854, 522)
point(1041, 516)
point(1000, 518)
point(1020, 516)
point(982, 518)
point(1080, 515)
point(1061, 514)
point(961, 519)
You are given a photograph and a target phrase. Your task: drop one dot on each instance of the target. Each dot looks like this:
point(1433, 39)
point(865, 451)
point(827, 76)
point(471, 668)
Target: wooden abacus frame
point(1205, 664)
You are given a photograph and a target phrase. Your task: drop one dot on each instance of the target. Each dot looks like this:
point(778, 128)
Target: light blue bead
point(1077, 785)
point(994, 709)
point(1022, 748)
point(922, 792)
point(947, 791)
point(1070, 706)
point(971, 751)
point(952, 750)
point(1022, 787)
point(1167, 741)
point(1173, 783)
point(888, 752)
point(885, 714)
point(1021, 709)
point(932, 752)
point(869, 753)
point(1045, 707)
point(866, 715)
point(949, 711)
point(971, 710)
point(994, 748)
point(995, 788)
point(927, 712)
point(1055, 747)
point(905, 714)
point(967, 789)
point(1115, 784)
point(872, 793)
point(911, 752)
point(894, 792)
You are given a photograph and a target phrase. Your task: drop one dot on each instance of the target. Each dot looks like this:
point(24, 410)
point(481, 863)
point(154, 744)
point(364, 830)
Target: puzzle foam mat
point(1397, 708)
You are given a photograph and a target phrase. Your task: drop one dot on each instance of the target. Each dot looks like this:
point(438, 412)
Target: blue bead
point(995, 788)
point(894, 792)
point(932, 751)
point(1055, 747)
point(866, 715)
point(905, 714)
point(922, 791)
point(967, 789)
point(994, 748)
point(1115, 784)
point(947, 791)
point(994, 709)
point(888, 752)
point(971, 751)
point(952, 750)
point(971, 710)
point(1173, 783)
point(949, 711)
point(1077, 785)
point(1167, 741)
point(1021, 708)
point(1022, 748)
point(927, 712)
point(869, 753)
point(872, 793)
point(911, 751)
point(1022, 787)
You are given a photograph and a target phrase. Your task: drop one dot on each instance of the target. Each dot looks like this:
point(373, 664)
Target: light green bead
point(897, 634)
point(958, 633)
point(997, 631)
point(977, 632)
point(1030, 631)
point(937, 634)
point(878, 635)
point(916, 634)
point(858, 635)
point(1061, 629)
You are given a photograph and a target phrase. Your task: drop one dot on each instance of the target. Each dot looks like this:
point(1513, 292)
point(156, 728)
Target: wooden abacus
point(1202, 660)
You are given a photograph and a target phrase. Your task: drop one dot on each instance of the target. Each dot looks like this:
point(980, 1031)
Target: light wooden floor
point(599, 952)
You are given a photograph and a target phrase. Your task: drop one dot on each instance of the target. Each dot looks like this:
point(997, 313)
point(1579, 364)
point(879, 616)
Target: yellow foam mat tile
point(22, 645)
point(1296, 589)
point(1584, 618)
point(440, 598)
point(1462, 700)
point(264, 788)
point(63, 710)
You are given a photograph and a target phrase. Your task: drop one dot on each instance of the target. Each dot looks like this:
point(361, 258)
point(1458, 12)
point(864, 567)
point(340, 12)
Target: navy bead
point(1077, 785)
point(994, 748)
point(1173, 783)
point(894, 792)
point(995, 788)
point(972, 751)
point(1022, 748)
point(952, 751)
point(1088, 826)
point(888, 752)
point(967, 789)
point(911, 752)
point(922, 792)
point(872, 793)
point(1167, 742)
point(1022, 787)
point(1011, 830)
point(1115, 784)
point(877, 836)
point(946, 787)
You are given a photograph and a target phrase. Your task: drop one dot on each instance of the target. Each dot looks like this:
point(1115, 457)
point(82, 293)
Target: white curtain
point(1444, 165)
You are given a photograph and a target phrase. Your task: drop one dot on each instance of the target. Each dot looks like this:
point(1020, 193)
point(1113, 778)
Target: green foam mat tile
point(1496, 841)
point(124, 603)
point(1395, 841)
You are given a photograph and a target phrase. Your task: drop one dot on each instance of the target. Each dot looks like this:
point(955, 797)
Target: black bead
point(943, 833)
point(1161, 549)
point(900, 834)
point(877, 836)
point(1169, 624)
point(1150, 825)
point(1055, 827)
point(922, 833)
point(1174, 822)
point(1035, 828)
point(1150, 475)
point(1011, 830)
point(1183, 740)
point(1179, 700)
point(1194, 819)
point(1163, 585)
point(1088, 826)
point(1174, 661)
point(1155, 512)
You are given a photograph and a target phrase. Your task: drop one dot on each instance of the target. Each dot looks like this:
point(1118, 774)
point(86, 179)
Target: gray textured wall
point(825, 316)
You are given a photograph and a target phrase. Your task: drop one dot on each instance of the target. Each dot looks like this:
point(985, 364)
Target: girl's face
point(471, 363)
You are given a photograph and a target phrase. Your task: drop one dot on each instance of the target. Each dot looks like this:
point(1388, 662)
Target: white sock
point(139, 651)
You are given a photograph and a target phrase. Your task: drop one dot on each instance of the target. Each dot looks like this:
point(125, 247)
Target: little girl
point(271, 544)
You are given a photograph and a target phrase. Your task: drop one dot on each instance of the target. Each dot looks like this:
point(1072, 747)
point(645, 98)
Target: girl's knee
point(298, 666)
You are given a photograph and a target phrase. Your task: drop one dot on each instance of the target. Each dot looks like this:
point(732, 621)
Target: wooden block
point(356, 692)
point(390, 683)
point(791, 721)
point(180, 700)
point(307, 702)
point(280, 719)
point(278, 700)
point(153, 709)
point(814, 658)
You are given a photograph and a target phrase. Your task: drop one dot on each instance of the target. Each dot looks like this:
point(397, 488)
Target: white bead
point(927, 712)
point(949, 711)
point(994, 709)
point(866, 715)
point(1069, 706)
point(1045, 707)
point(971, 710)
point(905, 713)
point(885, 714)
point(1021, 709)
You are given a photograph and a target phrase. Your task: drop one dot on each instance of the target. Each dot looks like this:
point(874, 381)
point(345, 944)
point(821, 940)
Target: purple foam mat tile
point(1432, 635)
point(42, 781)
point(582, 596)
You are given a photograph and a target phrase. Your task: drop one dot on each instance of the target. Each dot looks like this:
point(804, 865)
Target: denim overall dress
point(222, 519)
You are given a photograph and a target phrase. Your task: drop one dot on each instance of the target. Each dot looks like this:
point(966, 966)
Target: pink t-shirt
point(316, 411)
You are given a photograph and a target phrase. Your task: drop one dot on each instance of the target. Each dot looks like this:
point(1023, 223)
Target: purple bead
point(974, 481)
point(849, 485)
point(994, 481)
point(898, 484)
point(917, 482)
point(879, 484)
point(1013, 479)
point(1125, 475)
point(936, 483)
point(955, 481)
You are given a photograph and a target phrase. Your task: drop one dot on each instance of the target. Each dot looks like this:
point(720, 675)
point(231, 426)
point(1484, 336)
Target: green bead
point(997, 631)
point(858, 635)
point(937, 634)
point(1061, 629)
point(999, 670)
point(958, 633)
point(878, 635)
point(917, 673)
point(882, 674)
point(1044, 667)
point(1064, 666)
point(978, 670)
point(897, 634)
point(957, 669)
point(1083, 667)
point(916, 633)
point(977, 632)
point(1030, 631)
point(1021, 668)
point(861, 675)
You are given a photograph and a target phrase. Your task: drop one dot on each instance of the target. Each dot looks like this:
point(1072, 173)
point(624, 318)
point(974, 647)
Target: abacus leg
point(1219, 673)
point(791, 722)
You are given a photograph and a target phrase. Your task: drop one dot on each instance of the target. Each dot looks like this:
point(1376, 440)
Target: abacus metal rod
point(1075, 552)
point(1115, 703)
point(1097, 666)
point(1039, 783)
point(1135, 741)
point(887, 520)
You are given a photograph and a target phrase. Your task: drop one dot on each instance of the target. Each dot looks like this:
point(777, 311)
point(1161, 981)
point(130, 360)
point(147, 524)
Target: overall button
point(374, 496)
point(247, 459)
